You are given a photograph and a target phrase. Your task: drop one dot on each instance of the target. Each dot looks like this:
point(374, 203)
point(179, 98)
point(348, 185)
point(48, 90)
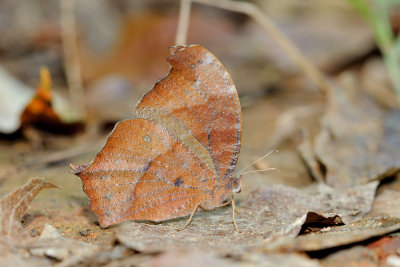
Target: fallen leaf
point(268, 213)
point(291, 121)
point(386, 204)
point(189, 258)
point(105, 256)
point(316, 31)
point(286, 203)
point(41, 111)
point(198, 258)
point(353, 257)
point(376, 81)
point(385, 247)
point(278, 259)
point(14, 205)
point(387, 199)
point(359, 140)
point(52, 244)
point(21, 258)
point(305, 147)
point(337, 236)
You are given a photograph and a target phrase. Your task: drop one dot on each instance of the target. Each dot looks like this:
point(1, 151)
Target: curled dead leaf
point(14, 205)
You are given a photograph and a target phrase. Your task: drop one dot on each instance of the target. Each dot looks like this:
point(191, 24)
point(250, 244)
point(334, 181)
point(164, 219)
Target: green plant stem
point(375, 13)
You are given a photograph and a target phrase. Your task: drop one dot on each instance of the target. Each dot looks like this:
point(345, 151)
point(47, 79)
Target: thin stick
point(71, 56)
point(183, 24)
point(254, 12)
point(266, 155)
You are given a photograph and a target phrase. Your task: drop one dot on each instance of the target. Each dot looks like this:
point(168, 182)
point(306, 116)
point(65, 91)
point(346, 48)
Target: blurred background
point(122, 45)
point(103, 55)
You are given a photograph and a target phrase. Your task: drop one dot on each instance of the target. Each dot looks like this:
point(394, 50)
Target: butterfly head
point(236, 184)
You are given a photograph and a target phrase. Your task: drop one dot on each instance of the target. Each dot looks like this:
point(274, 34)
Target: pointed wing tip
point(77, 169)
point(177, 48)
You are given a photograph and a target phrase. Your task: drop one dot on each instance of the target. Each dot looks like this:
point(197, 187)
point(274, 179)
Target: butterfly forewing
point(211, 127)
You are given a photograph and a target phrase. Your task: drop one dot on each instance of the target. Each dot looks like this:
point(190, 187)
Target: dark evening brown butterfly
point(180, 151)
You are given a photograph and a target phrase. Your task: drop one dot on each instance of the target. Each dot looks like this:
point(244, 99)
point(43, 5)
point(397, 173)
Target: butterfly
point(179, 152)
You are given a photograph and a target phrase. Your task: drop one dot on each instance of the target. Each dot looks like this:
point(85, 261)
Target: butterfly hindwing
point(136, 177)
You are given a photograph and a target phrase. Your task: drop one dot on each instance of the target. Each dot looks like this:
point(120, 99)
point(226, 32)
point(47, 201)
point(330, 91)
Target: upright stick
point(183, 24)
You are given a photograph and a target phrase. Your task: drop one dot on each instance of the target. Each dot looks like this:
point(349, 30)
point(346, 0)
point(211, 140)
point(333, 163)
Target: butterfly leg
point(227, 203)
point(233, 213)
point(233, 210)
point(190, 219)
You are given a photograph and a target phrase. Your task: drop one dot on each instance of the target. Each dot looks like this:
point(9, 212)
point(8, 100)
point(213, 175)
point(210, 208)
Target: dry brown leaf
point(385, 247)
point(306, 150)
point(52, 244)
point(291, 121)
point(352, 257)
point(359, 140)
point(337, 235)
point(189, 258)
point(197, 258)
point(286, 203)
point(268, 213)
point(41, 111)
point(387, 199)
point(386, 204)
point(14, 205)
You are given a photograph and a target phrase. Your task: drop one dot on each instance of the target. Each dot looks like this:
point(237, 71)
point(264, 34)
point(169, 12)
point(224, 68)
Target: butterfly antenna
point(266, 155)
point(263, 170)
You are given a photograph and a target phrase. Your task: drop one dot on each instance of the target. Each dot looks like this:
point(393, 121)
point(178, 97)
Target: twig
point(183, 24)
point(71, 56)
point(66, 154)
point(254, 12)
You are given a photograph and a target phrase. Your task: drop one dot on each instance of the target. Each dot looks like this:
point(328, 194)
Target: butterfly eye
point(236, 184)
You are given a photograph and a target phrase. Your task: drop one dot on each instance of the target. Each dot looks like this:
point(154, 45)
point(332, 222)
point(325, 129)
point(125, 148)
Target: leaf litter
point(14, 205)
point(298, 214)
point(359, 139)
point(266, 214)
point(12, 234)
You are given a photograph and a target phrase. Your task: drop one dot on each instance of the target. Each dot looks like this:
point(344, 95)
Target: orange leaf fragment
point(40, 110)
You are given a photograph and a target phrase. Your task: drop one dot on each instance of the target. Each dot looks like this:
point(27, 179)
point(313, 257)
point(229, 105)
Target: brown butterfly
point(180, 151)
